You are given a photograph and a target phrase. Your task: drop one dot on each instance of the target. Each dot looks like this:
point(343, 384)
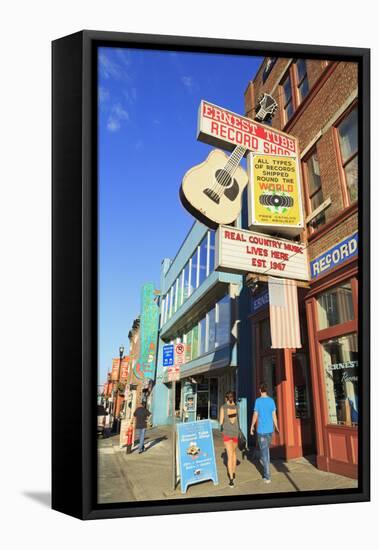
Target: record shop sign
point(241, 251)
point(223, 128)
point(335, 256)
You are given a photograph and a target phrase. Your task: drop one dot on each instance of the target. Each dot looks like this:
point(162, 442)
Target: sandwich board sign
point(196, 453)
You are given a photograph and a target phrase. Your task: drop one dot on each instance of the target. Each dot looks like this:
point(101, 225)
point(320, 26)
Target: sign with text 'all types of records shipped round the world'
point(275, 203)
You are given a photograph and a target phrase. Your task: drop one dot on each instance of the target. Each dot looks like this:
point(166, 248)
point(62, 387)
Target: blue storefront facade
point(200, 308)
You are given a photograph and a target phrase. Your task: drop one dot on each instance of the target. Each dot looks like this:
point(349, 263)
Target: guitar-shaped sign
point(212, 191)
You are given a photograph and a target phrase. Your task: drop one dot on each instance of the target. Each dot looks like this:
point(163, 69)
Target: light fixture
point(252, 284)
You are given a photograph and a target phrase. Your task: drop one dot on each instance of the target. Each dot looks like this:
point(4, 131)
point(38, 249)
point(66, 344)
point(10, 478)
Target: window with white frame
point(195, 272)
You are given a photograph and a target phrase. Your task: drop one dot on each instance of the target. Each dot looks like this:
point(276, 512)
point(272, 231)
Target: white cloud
point(109, 68)
point(189, 83)
point(117, 114)
point(123, 55)
point(113, 124)
point(130, 95)
point(103, 95)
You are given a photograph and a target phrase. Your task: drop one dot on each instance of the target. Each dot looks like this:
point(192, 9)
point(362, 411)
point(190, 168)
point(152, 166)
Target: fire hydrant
point(129, 439)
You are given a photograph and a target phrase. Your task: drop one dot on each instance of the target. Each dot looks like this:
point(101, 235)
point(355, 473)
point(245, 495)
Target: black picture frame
point(74, 273)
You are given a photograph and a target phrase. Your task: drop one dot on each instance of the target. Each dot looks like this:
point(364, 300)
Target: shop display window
point(197, 269)
point(211, 252)
point(203, 260)
point(202, 336)
point(223, 321)
point(301, 385)
point(335, 306)
point(340, 360)
point(211, 329)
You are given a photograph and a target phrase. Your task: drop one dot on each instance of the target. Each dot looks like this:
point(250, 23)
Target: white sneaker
point(266, 480)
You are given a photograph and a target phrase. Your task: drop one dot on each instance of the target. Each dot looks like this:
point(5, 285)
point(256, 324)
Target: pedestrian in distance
point(141, 414)
point(264, 416)
point(229, 422)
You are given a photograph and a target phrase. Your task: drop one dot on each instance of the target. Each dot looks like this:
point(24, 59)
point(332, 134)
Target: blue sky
point(147, 104)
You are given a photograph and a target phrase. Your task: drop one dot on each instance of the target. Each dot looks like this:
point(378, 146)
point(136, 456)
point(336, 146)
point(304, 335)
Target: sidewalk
point(147, 476)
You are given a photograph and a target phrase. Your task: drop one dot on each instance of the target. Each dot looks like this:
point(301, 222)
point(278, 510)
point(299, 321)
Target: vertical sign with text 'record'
point(145, 366)
point(196, 453)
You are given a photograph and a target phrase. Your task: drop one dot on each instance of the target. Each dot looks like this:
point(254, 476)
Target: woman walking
point(229, 422)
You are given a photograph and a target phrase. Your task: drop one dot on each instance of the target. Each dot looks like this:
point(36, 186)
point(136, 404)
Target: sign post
point(173, 357)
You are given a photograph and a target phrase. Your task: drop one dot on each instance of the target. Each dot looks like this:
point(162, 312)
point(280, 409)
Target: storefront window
point(211, 252)
point(175, 298)
point(162, 310)
point(265, 334)
point(171, 301)
point(203, 260)
point(194, 266)
point(203, 336)
point(202, 401)
point(213, 398)
point(335, 306)
point(340, 358)
point(301, 383)
point(195, 341)
point(188, 347)
point(180, 289)
point(186, 282)
point(223, 321)
point(211, 329)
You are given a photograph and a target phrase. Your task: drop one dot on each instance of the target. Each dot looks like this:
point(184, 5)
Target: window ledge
point(339, 218)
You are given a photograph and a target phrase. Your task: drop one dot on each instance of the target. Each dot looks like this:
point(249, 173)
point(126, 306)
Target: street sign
point(168, 355)
point(196, 453)
point(173, 373)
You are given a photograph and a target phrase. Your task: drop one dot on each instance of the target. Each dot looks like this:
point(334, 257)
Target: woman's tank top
point(231, 425)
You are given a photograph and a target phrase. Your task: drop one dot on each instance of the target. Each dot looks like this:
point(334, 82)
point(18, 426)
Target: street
point(147, 476)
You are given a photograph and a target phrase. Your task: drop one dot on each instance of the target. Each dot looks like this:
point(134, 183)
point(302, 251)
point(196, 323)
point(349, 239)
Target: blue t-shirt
point(265, 406)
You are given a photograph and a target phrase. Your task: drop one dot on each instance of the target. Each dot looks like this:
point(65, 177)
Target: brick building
point(316, 387)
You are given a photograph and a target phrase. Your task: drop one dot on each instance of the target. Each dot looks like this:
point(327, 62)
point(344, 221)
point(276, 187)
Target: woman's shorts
point(226, 438)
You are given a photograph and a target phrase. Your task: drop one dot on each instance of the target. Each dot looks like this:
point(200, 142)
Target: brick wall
point(332, 237)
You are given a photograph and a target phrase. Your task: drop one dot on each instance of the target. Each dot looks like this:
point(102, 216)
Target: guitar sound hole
point(223, 178)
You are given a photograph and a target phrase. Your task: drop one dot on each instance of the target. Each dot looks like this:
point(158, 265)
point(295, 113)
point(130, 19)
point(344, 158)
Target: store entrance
point(207, 399)
point(286, 373)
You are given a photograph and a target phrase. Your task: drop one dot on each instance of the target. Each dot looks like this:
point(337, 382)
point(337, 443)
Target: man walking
point(265, 415)
point(141, 414)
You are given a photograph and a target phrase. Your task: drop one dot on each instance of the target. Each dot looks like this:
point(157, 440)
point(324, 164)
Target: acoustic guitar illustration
point(212, 191)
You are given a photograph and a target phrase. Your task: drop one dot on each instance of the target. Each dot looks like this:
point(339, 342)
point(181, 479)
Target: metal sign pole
point(173, 437)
